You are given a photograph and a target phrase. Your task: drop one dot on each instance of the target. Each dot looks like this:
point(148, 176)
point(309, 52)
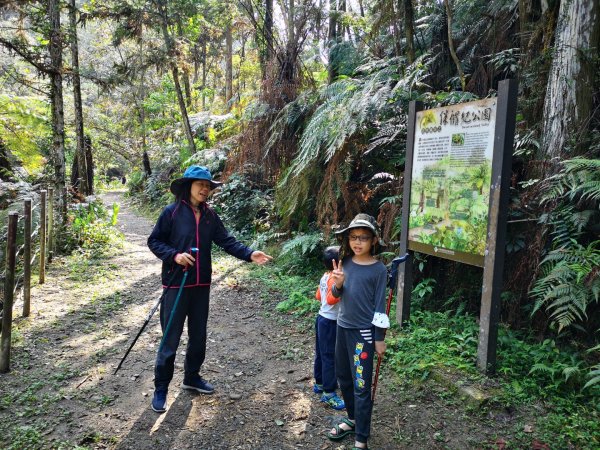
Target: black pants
point(193, 304)
point(354, 351)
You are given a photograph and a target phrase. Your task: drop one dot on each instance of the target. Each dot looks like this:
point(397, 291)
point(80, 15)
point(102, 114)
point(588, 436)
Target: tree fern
point(303, 244)
point(578, 181)
point(569, 283)
point(594, 376)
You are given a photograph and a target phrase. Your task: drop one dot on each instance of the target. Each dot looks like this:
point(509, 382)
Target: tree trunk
point(185, 74)
point(396, 27)
point(570, 90)
point(89, 163)
point(241, 85)
point(523, 20)
point(204, 50)
point(228, 67)
point(146, 163)
point(6, 165)
point(184, 115)
point(291, 22)
point(81, 182)
point(142, 96)
point(269, 30)
point(409, 30)
point(57, 106)
point(345, 34)
point(175, 72)
point(461, 74)
point(332, 39)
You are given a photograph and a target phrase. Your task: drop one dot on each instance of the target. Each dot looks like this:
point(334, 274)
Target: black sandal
point(341, 433)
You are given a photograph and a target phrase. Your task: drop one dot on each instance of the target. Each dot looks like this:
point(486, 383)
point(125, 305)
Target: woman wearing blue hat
point(189, 223)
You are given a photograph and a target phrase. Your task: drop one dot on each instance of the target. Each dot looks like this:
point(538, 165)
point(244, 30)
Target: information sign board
point(451, 176)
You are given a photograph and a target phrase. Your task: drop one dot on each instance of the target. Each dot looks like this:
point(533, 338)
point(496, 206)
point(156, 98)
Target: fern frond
point(594, 376)
point(540, 367)
point(304, 244)
point(569, 281)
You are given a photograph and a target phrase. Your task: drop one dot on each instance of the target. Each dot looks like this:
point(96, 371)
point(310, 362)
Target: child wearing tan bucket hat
point(360, 281)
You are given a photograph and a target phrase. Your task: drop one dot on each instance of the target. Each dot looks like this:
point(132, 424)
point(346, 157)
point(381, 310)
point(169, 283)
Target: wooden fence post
point(27, 257)
point(9, 286)
point(50, 223)
point(42, 237)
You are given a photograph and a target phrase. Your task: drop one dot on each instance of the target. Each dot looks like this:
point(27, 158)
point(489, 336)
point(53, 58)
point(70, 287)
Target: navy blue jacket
point(177, 230)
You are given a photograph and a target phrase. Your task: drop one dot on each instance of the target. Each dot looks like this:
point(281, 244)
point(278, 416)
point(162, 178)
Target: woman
point(189, 223)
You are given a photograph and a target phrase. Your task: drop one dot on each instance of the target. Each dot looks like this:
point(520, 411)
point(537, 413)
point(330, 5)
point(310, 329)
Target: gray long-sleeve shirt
point(363, 295)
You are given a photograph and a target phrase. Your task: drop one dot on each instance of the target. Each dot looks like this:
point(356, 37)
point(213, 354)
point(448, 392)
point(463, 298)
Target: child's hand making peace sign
point(337, 274)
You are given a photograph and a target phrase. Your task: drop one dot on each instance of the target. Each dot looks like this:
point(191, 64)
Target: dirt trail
point(61, 388)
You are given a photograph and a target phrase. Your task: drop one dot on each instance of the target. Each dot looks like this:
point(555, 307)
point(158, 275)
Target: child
point(360, 280)
point(325, 331)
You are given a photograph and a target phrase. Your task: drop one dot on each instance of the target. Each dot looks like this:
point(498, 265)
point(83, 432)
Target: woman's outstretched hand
point(260, 258)
point(337, 274)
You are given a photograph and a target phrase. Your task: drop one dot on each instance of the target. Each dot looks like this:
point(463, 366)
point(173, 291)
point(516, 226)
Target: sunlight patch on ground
point(204, 410)
point(300, 410)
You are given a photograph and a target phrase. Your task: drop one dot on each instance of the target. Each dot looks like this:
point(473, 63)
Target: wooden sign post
point(454, 206)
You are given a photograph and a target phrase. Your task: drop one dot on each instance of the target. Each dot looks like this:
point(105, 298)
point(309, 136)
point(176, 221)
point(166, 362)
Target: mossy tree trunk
point(568, 106)
point(55, 45)
point(82, 181)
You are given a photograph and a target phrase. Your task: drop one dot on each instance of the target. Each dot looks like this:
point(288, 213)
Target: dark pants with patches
point(193, 304)
point(354, 352)
point(324, 368)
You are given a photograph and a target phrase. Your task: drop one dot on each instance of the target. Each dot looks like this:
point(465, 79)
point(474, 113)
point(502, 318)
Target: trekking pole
point(152, 311)
point(392, 283)
point(193, 251)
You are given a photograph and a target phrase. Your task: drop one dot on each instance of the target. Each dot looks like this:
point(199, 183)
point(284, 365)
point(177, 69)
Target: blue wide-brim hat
point(193, 173)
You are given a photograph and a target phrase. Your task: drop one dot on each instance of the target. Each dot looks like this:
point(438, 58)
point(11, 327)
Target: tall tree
point(457, 62)
point(332, 36)
point(228, 65)
point(78, 107)
point(55, 45)
point(570, 90)
point(185, 76)
point(268, 26)
point(165, 20)
point(409, 30)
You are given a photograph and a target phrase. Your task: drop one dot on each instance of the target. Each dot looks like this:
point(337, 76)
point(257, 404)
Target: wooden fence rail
point(17, 277)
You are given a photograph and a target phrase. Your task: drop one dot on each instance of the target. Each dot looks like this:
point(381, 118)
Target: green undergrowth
point(91, 229)
point(531, 376)
point(299, 298)
point(529, 373)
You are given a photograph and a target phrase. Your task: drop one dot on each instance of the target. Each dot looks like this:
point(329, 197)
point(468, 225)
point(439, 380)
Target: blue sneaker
point(159, 402)
point(198, 384)
point(317, 388)
point(333, 400)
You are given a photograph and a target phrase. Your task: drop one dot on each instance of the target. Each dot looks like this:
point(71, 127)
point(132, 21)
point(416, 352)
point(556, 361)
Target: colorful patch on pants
point(358, 354)
point(360, 383)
